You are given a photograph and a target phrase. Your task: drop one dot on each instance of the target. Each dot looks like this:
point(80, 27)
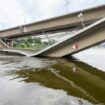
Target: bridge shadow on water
point(76, 78)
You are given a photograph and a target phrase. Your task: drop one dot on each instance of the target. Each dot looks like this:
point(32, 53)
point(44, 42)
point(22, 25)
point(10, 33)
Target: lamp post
point(23, 19)
point(67, 6)
point(24, 22)
point(80, 16)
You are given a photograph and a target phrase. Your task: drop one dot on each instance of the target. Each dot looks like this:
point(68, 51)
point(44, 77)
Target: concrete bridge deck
point(32, 52)
point(91, 35)
point(55, 24)
point(85, 38)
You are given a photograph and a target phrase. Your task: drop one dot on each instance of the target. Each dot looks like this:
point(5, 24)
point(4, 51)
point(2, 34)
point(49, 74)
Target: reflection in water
point(34, 81)
point(82, 84)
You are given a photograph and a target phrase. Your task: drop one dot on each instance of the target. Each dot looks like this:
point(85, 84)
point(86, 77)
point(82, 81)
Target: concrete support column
point(1, 46)
point(10, 43)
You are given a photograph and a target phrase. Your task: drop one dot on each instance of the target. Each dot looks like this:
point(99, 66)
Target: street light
point(24, 22)
point(2, 26)
point(67, 6)
point(80, 15)
point(23, 19)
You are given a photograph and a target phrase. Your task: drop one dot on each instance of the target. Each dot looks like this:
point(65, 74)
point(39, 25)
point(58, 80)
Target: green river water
point(46, 81)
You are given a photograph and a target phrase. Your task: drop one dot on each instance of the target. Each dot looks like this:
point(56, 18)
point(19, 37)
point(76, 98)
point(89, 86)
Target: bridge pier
point(10, 43)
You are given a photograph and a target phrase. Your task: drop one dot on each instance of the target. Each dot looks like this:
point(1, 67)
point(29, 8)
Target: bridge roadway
point(55, 24)
point(89, 36)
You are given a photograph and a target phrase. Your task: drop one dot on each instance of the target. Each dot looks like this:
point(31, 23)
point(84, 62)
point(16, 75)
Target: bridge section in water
point(85, 38)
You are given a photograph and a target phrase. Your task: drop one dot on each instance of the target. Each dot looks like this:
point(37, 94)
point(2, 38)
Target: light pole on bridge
point(80, 15)
point(22, 27)
point(67, 5)
point(23, 19)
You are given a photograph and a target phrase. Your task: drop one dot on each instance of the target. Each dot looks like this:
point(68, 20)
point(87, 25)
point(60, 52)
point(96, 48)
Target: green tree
point(30, 40)
point(38, 40)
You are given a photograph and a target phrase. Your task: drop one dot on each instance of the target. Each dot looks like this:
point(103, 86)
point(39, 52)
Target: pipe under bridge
point(85, 38)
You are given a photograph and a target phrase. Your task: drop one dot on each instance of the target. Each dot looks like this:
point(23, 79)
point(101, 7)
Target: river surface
point(45, 81)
